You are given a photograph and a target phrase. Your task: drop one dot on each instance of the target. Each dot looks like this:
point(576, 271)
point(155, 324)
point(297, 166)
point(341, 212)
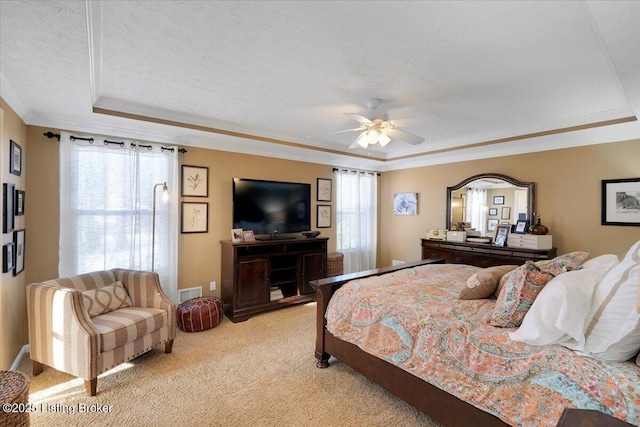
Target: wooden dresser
point(481, 254)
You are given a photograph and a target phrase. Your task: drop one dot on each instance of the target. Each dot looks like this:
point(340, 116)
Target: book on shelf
point(276, 293)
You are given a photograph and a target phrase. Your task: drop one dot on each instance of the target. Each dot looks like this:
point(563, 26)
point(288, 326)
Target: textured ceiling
point(274, 78)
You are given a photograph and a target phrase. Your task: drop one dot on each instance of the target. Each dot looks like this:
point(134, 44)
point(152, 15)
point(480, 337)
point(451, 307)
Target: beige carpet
point(255, 373)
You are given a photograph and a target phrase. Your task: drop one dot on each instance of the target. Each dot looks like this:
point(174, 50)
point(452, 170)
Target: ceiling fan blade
point(361, 128)
point(359, 118)
point(405, 136)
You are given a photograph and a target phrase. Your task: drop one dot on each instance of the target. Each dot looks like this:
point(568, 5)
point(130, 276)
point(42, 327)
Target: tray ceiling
point(475, 79)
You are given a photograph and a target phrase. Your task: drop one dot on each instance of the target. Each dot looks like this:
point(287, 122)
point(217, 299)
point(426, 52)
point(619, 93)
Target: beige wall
point(567, 197)
point(13, 308)
point(567, 187)
point(199, 254)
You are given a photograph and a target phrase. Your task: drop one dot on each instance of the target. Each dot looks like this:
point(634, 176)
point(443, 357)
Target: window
point(356, 219)
point(106, 206)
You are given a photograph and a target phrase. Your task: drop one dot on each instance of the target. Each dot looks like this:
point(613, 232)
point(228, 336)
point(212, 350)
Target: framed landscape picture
point(621, 201)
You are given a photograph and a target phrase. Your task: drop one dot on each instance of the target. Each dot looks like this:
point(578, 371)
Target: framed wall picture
point(236, 235)
point(621, 201)
point(7, 257)
point(324, 189)
point(195, 217)
point(195, 181)
point(492, 224)
point(15, 156)
point(8, 213)
point(248, 236)
point(19, 241)
point(405, 203)
point(493, 211)
point(498, 200)
point(502, 232)
point(505, 213)
point(19, 202)
point(521, 227)
point(323, 218)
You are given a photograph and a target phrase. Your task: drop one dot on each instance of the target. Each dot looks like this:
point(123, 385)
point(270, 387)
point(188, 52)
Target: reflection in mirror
point(486, 200)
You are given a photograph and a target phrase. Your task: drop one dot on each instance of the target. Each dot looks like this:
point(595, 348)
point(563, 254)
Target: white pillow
point(558, 314)
point(613, 325)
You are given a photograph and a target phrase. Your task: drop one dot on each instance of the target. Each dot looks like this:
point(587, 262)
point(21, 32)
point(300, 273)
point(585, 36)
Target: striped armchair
point(67, 335)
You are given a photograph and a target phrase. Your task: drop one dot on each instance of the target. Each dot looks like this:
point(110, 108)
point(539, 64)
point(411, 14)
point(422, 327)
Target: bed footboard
point(325, 289)
point(437, 404)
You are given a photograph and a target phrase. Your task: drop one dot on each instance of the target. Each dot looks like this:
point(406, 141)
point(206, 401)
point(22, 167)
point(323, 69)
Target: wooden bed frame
point(437, 404)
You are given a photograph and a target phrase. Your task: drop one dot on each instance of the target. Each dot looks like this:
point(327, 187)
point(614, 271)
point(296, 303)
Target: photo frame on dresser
point(521, 227)
point(502, 233)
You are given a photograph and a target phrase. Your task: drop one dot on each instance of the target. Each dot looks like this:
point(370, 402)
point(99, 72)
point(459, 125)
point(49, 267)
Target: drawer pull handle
point(458, 259)
point(434, 256)
point(485, 263)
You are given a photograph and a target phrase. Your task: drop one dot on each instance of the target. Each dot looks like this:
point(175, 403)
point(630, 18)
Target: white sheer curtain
point(106, 204)
point(477, 208)
point(356, 219)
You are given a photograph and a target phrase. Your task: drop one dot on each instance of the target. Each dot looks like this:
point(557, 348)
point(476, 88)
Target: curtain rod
point(52, 135)
point(355, 171)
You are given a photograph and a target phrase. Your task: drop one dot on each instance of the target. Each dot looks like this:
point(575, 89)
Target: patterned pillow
point(105, 299)
point(563, 263)
point(518, 295)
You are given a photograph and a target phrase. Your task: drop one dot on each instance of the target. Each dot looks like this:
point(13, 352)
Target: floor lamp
point(165, 197)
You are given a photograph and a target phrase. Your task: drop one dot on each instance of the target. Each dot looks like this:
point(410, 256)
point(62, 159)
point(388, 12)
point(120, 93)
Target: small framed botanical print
point(324, 190)
point(195, 217)
point(324, 216)
point(195, 181)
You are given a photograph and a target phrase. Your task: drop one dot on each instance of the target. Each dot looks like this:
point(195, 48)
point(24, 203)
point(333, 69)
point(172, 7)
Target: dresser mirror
point(487, 200)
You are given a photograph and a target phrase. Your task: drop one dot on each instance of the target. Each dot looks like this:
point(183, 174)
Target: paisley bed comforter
point(413, 319)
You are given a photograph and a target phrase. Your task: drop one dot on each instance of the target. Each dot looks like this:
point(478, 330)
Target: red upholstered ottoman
point(199, 314)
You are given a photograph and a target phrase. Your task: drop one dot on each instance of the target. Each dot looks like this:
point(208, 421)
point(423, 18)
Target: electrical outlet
point(212, 286)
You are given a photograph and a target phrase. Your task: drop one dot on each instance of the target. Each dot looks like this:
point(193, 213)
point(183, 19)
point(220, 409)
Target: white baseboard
point(24, 350)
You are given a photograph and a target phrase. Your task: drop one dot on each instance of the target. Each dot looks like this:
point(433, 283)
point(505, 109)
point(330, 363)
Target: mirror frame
point(530, 186)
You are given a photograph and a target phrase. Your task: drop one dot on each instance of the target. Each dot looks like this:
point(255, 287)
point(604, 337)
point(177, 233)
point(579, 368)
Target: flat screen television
point(271, 207)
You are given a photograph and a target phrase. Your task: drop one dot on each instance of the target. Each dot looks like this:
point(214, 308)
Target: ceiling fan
point(378, 130)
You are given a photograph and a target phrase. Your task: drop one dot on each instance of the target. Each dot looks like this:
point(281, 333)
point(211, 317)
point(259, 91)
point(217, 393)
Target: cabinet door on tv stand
point(252, 286)
point(312, 269)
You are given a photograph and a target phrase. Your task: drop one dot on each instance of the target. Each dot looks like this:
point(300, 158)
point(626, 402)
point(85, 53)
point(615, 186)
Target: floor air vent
point(189, 293)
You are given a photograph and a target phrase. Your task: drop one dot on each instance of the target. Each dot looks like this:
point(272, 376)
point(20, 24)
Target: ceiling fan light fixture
point(362, 140)
point(384, 139)
point(372, 136)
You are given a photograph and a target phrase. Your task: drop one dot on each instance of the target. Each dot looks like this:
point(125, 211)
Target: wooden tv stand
point(481, 254)
point(251, 270)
